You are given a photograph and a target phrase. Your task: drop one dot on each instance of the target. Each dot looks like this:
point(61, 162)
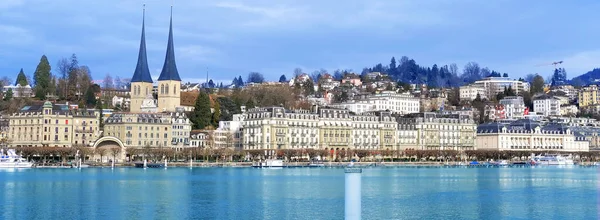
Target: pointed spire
point(169, 70)
point(142, 73)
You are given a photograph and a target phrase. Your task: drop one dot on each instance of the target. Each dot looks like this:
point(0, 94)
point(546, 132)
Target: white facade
point(547, 106)
point(19, 91)
point(182, 126)
point(384, 101)
point(228, 134)
point(514, 107)
point(470, 92)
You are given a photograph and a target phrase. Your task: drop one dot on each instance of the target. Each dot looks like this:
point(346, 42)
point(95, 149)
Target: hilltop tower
point(141, 82)
point(169, 83)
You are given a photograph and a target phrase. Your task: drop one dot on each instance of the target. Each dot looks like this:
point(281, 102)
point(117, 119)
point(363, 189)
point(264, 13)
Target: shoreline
point(302, 164)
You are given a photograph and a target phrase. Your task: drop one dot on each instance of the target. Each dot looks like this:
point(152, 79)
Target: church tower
point(141, 82)
point(169, 83)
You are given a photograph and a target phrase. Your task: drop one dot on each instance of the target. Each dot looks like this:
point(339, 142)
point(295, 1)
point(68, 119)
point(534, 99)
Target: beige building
point(528, 135)
point(51, 125)
point(434, 131)
point(277, 128)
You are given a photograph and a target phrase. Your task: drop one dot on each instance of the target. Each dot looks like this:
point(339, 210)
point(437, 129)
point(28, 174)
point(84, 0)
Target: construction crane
point(553, 63)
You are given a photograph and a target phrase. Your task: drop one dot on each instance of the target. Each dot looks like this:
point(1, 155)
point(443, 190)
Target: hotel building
point(529, 135)
point(51, 125)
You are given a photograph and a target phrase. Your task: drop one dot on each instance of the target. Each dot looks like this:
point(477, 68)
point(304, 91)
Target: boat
point(150, 165)
point(552, 159)
point(316, 164)
point(502, 163)
point(268, 164)
point(12, 160)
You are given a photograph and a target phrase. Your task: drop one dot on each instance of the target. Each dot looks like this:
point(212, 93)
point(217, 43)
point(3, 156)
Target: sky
point(232, 38)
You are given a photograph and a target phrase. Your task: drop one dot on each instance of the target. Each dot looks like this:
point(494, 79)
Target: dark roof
point(491, 127)
point(169, 70)
point(142, 73)
point(561, 128)
point(523, 124)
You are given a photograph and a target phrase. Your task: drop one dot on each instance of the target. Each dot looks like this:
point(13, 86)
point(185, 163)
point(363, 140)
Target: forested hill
point(586, 78)
point(407, 70)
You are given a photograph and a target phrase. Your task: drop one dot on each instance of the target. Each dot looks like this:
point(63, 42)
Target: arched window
point(162, 89)
point(137, 90)
point(146, 91)
point(167, 89)
point(175, 89)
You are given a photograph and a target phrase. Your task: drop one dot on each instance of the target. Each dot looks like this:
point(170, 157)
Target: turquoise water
point(301, 193)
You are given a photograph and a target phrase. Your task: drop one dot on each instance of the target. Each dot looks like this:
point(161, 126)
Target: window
point(162, 89)
point(66, 130)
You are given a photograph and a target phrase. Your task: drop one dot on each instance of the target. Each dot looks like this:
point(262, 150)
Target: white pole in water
point(145, 163)
point(191, 165)
point(352, 193)
point(112, 166)
point(79, 163)
point(165, 163)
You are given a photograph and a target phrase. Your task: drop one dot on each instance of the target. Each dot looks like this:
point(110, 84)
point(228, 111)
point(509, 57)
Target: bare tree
point(297, 72)
point(108, 82)
point(117, 82)
point(255, 77)
point(453, 69)
point(5, 81)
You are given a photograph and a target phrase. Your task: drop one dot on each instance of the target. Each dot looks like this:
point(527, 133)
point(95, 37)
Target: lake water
point(299, 193)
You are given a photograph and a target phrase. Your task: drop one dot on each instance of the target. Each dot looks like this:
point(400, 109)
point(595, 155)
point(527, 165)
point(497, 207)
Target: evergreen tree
point(42, 78)
point(100, 110)
point(250, 104)
point(8, 95)
point(211, 84)
point(90, 97)
point(202, 115)
point(21, 79)
point(240, 81)
point(216, 115)
point(282, 78)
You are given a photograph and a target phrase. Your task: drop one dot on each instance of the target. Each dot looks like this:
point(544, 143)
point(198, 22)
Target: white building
point(19, 91)
point(528, 135)
point(514, 107)
point(228, 134)
point(492, 86)
point(121, 101)
point(547, 105)
point(181, 127)
point(470, 92)
point(384, 101)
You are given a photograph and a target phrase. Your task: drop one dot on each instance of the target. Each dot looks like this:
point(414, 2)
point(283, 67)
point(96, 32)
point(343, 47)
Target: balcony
point(83, 131)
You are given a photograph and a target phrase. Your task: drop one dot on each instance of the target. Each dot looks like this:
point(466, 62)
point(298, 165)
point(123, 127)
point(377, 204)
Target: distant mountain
point(586, 78)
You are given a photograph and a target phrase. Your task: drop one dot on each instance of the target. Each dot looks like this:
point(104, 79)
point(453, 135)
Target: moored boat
point(268, 164)
point(12, 160)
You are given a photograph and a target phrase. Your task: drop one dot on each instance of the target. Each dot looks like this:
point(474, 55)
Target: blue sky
point(232, 38)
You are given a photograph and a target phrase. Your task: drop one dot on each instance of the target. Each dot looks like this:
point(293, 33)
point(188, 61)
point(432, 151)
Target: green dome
point(47, 104)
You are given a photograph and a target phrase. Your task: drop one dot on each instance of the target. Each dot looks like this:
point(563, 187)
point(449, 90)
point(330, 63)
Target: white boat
point(503, 163)
point(12, 160)
point(269, 164)
point(553, 159)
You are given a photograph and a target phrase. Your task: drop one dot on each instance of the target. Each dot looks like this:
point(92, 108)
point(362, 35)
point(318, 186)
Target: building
point(384, 101)
point(588, 96)
point(352, 79)
point(151, 122)
point(51, 125)
point(276, 128)
point(435, 131)
point(492, 86)
point(514, 107)
point(19, 91)
point(547, 106)
point(529, 135)
point(470, 92)
point(229, 133)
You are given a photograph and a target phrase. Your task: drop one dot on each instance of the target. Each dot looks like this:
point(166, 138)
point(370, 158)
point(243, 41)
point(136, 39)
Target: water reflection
point(246, 193)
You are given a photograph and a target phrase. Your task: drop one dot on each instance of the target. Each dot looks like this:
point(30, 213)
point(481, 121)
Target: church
point(151, 123)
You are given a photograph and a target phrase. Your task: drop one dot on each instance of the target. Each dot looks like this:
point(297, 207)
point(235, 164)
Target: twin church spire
point(169, 70)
